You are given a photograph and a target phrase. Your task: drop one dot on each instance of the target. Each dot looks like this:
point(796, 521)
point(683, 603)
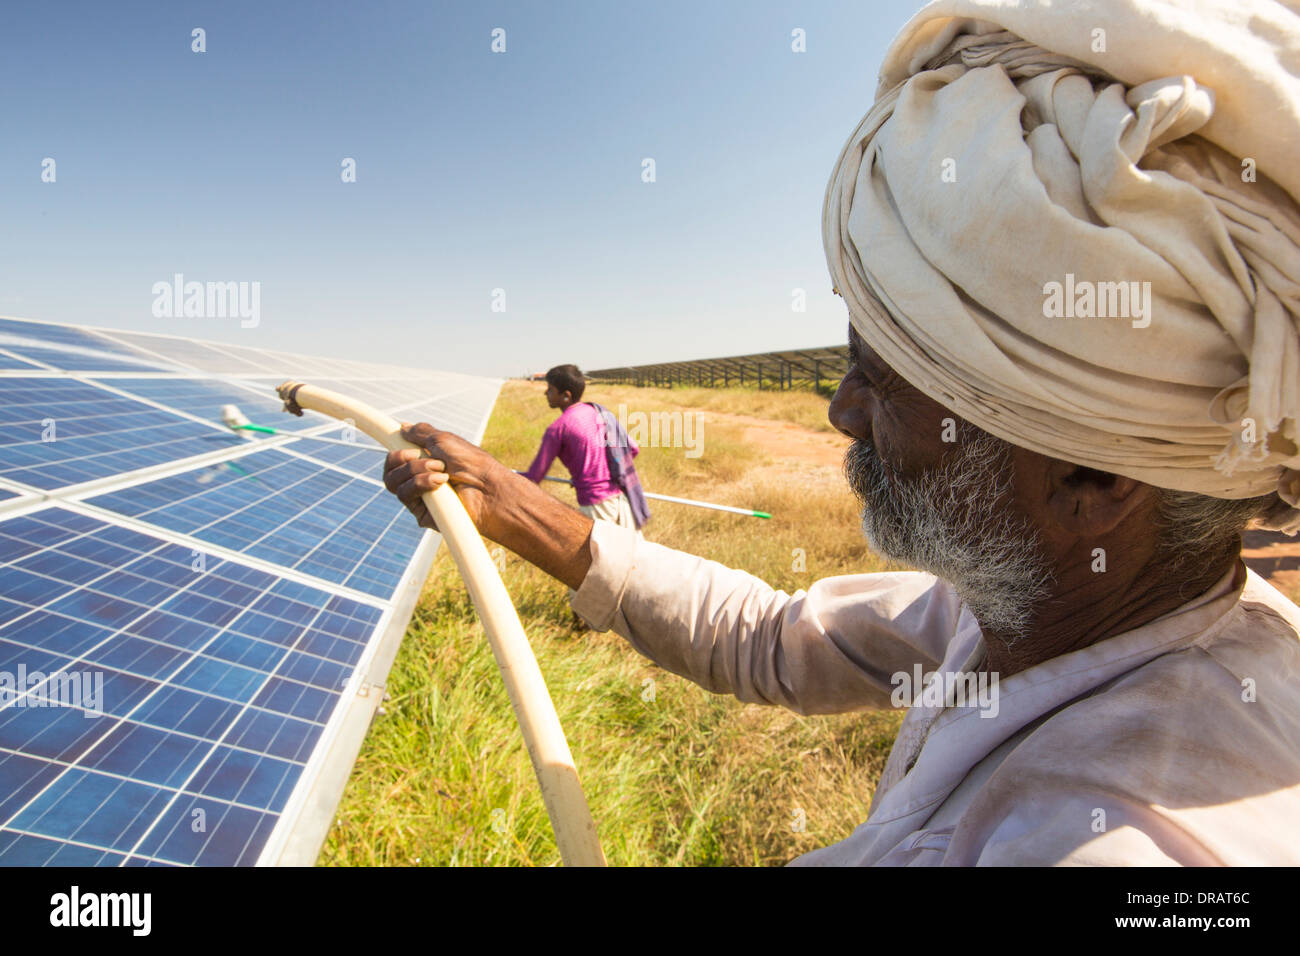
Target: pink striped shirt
point(577, 437)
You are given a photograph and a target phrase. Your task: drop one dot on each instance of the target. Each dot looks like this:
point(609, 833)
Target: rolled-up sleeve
point(830, 649)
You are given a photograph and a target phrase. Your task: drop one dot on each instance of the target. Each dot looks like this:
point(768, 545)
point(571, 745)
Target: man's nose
point(850, 412)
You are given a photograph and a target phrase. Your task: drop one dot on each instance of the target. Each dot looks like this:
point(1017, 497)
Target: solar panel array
point(194, 623)
point(797, 368)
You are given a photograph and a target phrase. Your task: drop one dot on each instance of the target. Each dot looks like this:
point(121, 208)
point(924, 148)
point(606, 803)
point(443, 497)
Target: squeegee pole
point(575, 831)
point(705, 504)
point(682, 501)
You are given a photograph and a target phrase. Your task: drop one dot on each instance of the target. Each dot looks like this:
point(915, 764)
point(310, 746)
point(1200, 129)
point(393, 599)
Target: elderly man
point(1072, 481)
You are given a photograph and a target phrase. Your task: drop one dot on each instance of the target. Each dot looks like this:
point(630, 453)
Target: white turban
point(1075, 225)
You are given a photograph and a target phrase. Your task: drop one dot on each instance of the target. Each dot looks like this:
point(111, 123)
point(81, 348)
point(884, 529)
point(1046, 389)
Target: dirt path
point(1276, 557)
point(786, 440)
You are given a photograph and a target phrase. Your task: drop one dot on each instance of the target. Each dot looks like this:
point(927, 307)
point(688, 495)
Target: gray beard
point(948, 521)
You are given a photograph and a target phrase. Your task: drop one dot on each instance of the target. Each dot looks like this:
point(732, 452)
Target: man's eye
point(884, 380)
point(871, 380)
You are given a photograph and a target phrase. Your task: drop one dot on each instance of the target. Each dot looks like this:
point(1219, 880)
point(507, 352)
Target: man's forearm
point(545, 456)
point(505, 507)
point(540, 529)
point(829, 649)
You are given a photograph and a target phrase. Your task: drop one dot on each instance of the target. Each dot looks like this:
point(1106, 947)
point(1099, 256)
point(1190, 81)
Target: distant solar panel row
point(181, 639)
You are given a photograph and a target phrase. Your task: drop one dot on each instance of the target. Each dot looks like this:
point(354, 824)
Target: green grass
point(674, 777)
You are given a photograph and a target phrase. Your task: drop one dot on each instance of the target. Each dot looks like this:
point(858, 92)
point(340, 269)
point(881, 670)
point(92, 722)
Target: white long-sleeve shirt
point(1177, 742)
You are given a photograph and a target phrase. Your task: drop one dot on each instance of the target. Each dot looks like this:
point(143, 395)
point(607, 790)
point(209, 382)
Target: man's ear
point(1088, 502)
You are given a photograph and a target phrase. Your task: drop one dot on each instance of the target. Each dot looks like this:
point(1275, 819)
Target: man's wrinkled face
point(937, 493)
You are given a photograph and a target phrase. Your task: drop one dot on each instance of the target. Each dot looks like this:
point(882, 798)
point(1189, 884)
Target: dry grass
point(797, 406)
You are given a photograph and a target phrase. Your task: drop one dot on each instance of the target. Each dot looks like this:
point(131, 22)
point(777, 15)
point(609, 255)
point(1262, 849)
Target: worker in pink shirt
point(580, 438)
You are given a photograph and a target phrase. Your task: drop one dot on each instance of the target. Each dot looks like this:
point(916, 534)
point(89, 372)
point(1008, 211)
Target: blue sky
point(475, 171)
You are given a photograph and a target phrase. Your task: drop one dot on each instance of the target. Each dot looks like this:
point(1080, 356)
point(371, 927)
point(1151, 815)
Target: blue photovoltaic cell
point(282, 509)
point(17, 849)
point(212, 683)
point(366, 458)
point(147, 683)
point(56, 432)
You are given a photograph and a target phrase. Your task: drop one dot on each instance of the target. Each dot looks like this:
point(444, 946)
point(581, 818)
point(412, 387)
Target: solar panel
point(195, 625)
point(61, 431)
point(284, 509)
